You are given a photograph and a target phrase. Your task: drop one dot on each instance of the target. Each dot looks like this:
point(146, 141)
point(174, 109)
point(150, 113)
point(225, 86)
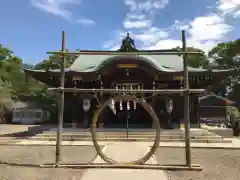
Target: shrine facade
point(109, 70)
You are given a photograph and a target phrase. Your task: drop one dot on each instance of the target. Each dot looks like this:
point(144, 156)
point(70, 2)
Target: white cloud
point(115, 43)
point(135, 16)
point(171, 43)
point(145, 5)
point(128, 24)
point(151, 36)
point(236, 14)
point(111, 45)
point(56, 7)
point(140, 17)
point(210, 27)
point(229, 7)
point(131, 4)
point(180, 25)
point(152, 4)
point(203, 32)
point(86, 22)
point(141, 12)
point(108, 44)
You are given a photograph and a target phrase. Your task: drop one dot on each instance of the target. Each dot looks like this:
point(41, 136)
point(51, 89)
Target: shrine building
point(108, 70)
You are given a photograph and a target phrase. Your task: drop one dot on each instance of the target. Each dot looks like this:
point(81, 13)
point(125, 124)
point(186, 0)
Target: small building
point(213, 109)
point(28, 113)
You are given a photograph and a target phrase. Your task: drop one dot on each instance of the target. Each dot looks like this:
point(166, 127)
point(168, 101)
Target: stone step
point(209, 140)
point(8, 141)
point(111, 132)
point(202, 133)
point(129, 136)
point(175, 135)
point(124, 130)
point(164, 133)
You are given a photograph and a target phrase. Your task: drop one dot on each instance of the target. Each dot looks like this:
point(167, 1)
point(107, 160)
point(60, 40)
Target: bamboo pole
point(61, 105)
point(137, 91)
point(120, 53)
point(171, 167)
point(186, 102)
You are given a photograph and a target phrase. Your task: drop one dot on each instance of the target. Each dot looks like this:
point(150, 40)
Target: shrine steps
point(144, 135)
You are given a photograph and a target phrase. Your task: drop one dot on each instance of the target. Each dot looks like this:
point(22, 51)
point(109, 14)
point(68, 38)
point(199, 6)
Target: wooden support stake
point(134, 54)
point(137, 91)
point(60, 105)
point(186, 102)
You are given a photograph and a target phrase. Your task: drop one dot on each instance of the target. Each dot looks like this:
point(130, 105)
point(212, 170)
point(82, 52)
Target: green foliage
point(5, 53)
point(226, 53)
point(196, 60)
point(53, 62)
point(233, 111)
point(6, 102)
point(14, 87)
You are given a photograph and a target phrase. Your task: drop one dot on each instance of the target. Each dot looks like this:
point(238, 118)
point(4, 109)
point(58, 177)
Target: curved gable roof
point(88, 63)
point(165, 63)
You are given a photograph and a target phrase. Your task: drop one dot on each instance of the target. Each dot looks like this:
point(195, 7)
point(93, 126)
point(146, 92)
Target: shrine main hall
point(112, 70)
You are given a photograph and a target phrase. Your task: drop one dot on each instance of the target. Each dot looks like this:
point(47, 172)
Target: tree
point(225, 54)
point(53, 62)
point(5, 53)
point(6, 102)
point(196, 60)
point(13, 84)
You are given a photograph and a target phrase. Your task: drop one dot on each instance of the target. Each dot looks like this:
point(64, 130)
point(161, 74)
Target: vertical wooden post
point(186, 102)
point(61, 104)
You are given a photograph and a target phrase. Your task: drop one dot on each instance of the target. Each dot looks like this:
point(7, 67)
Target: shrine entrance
point(125, 115)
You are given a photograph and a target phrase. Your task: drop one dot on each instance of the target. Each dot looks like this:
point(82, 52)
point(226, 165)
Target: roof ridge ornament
point(128, 44)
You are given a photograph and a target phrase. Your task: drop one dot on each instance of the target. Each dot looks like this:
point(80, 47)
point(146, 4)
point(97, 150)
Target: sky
point(32, 27)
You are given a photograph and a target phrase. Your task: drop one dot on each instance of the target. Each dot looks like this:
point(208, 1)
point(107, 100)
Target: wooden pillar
point(194, 109)
point(153, 104)
point(74, 111)
point(197, 103)
point(103, 115)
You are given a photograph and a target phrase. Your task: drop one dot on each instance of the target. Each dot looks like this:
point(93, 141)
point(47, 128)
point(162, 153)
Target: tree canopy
point(227, 54)
point(196, 60)
point(53, 62)
point(13, 84)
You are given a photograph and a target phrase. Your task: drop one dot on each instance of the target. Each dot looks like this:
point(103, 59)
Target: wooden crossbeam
point(121, 53)
point(140, 91)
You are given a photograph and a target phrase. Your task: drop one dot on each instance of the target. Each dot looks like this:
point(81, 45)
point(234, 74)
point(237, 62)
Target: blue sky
point(32, 27)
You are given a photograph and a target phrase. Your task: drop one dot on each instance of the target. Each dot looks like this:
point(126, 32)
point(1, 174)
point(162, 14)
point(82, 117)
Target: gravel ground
point(218, 164)
point(22, 162)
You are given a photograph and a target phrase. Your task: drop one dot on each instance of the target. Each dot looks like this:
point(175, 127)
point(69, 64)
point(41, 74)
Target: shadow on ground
point(218, 164)
point(23, 162)
point(36, 155)
point(32, 131)
point(19, 164)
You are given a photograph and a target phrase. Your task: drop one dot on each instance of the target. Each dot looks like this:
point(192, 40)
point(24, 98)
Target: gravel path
point(21, 162)
point(218, 164)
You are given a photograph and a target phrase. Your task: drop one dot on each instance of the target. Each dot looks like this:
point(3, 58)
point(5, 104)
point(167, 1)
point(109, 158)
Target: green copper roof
point(163, 63)
point(166, 63)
